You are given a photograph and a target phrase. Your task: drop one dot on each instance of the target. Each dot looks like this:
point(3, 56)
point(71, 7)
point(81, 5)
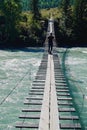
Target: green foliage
point(72, 26)
point(45, 13)
point(22, 28)
point(66, 14)
point(80, 20)
point(27, 26)
point(34, 6)
point(65, 6)
point(80, 10)
point(11, 11)
point(31, 31)
point(35, 30)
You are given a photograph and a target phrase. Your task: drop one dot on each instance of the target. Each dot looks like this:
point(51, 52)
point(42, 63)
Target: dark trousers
point(50, 47)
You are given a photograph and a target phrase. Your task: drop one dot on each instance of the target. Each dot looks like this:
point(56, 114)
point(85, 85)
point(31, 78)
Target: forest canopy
point(24, 22)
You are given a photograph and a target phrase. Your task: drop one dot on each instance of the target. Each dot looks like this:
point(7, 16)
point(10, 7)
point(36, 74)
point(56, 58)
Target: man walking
point(50, 43)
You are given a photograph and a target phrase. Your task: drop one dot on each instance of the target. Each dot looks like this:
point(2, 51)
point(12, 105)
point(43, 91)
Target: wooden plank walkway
point(68, 117)
point(49, 105)
point(33, 103)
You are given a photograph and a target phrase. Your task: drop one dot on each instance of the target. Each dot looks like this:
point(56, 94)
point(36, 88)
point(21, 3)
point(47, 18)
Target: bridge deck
point(49, 105)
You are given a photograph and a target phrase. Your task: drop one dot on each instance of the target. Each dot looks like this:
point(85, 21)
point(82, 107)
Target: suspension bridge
point(49, 105)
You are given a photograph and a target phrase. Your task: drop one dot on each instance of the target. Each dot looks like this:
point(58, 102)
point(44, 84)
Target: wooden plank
point(42, 65)
point(39, 81)
point(60, 75)
point(41, 78)
point(65, 103)
point(34, 98)
point(58, 78)
point(41, 72)
point(32, 103)
point(36, 90)
point(60, 84)
point(41, 75)
point(70, 126)
point(64, 98)
point(35, 93)
point(38, 84)
point(66, 109)
point(58, 72)
point(57, 67)
point(63, 94)
point(59, 81)
point(29, 117)
point(68, 117)
point(31, 110)
point(62, 87)
point(27, 125)
point(62, 90)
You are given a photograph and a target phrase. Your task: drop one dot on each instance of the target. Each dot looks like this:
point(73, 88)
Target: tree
point(80, 19)
point(65, 6)
point(79, 10)
point(11, 10)
point(66, 12)
point(34, 6)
